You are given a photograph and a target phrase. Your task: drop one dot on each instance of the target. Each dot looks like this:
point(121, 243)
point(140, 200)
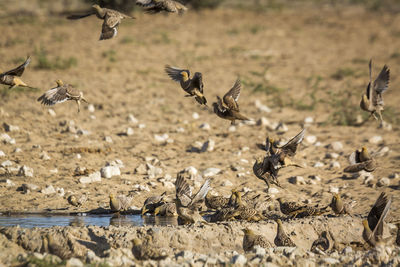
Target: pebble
point(48, 190)
point(263, 121)
point(331, 261)
point(108, 139)
point(226, 183)
point(333, 189)
point(208, 146)
point(6, 139)
point(211, 172)
point(91, 178)
point(273, 190)
point(186, 254)
point(259, 251)
point(6, 163)
point(2, 154)
point(315, 178)
point(298, 180)
point(232, 128)
point(129, 131)
point(52, 112)
point(391, 176)
point(140, 187)
point(91, 108)
point(347, 250)
point(337, 146)
point(311, 139)
point(10, 128)
point(331, 155)
point(384, 181)
point(141, 169)
point(110, 171)
point(78, 156)
point(192, 171)
point(153, 171)
point(161, 138)
point(44, 156)
point(141, 126)
point(17, 150)
point(25, 171)
point(60, 191)
point(334, 165)
point(74, 262)
point(309, 120)
point(281, 128)
point(261, 106)
point(376, 139)
point(318, 164)
point(132, 119)
point(26, 188)
point(7, 182)
point(239, 259)
point(195, 115)
point(205, 126)
point(180, 130)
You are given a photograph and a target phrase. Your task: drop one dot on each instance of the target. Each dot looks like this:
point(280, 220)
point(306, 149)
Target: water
point(29, 221)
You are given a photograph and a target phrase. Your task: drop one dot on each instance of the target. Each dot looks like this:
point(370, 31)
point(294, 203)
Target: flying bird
point(156, 6)
point(12, 77)
point(111, 20)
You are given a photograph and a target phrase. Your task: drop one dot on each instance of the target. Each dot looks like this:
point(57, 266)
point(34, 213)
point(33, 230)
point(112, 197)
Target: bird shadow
point(97, 243)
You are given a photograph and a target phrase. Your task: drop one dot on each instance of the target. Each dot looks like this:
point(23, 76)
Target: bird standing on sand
point(282, 239)
point(216, 202)
point(192, 86)
point(245, 212)
point(339, 207)
point(372, 100)
point(250, 239)
point(62, 93)
point(111, 20)
point(12, 77)
point(119, 203)
point(227, 108)
point(156, 6)
point(373, 225)
point(361, 160)
point(290, 208)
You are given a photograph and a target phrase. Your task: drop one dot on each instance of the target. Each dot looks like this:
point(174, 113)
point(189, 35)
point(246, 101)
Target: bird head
point(247, 231)
point(136, 242)
point(279, 222)
point(95, 6)
point(364, 149)
point(365, 224)
point(111, 196)
point(59, 82)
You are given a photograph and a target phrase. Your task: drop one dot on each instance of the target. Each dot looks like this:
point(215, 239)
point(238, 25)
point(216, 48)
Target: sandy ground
point(285, 53)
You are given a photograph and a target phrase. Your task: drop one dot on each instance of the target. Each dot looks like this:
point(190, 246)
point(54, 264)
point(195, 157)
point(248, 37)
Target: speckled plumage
point(166, 209)
point(281, 238)
point(119, 203)
point(361, 160)
point(323, 243)
point(339, 207)
point(151, 203)
point(290, 208)
point(250, 239)
point(156, 6)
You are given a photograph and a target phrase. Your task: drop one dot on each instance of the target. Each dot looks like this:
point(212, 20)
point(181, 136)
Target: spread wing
point(175, 73)
point(381, 84)
point(202, 192)
point(18, 71)
point(76, 16)
point(232, 96)
point(183, 191)
point(197, 81)
point(220, 105)
point(290, 147)
point(378, 213)
point(108, 32)
point(354, 157)
point(356, 167)
point(54, 96)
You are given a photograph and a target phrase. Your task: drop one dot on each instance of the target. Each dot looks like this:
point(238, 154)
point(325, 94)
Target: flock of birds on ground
point(188, 206)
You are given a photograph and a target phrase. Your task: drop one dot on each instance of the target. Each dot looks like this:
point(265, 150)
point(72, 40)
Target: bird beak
point(144, 210)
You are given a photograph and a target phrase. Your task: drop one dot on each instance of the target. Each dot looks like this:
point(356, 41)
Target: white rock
point(51, 112)
point(311, 139)
point(394, 175)
point(239, 259)
point(180, 130)
point(261, 106)
point(74, 262)
point(263, 121)
point(141, 187)
point(17, 150)
point(153, 171)
point(168, 185)
point(141, 169)
point(129, 131)
point(334, 165)
point(259, 251)
point(249, 122)
point(192, 171)
point(48, 190)
point(376, 139)
point(110, 171)
point(246, 189)
point(309, 120)
point(337, 146)
point(232, 128)
point(384, 181)
point(347, 250)
point(208, 146)
point(26, 188)
point(44, 156)
point(25, 171)
point(7, 182)
point(60, 191)
point(186, 254)
point(141, 126)
point(205, 126)
point(54, 171)
point(211, 172)
point(331, 155)
point(10, 128)
point(281, 128)
point(298, 180)
point(2, 154)
point(6, 163)
point(331, 261)
point(273, 190)
point(318, 143)
point(315, 178)
point(5, 138)
point(91, 178)
point(108, 139)
point(91, 108)
point(333, 189)
point(195, 115)
point(78, 156)
point(161, 138)
point(132, 119)
point(369, 180)
point(227, 183)
point(318, 164)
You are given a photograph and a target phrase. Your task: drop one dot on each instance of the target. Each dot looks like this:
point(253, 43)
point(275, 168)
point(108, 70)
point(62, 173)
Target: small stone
point(132, 119)
point(384, 181)
point(10, 128)
point(44, 156)
point(337, 146)
point(2, 154)
point(51, 112)
point(60, 191)
point(195, 115)
point(141, 169)
point(48, 190)
point(180, 130)
point(334, 165)
point(161, 138)
point(7, 182)
point(263, 121)
point(315, 178)
point(273, 190)
point(311, 139)
point(141, 126)
point(6, 163)
point(332, 155)
point(26, 188)
point(331, 261)
point(6, 139)
point(261, 106)
point(281, 128)
point(110, 171)
point(232, 128)
point(386, 126)
point(93, 177)
point(309, 120)
point(17, 150)
point(318, 164)
point(376, 139)
point(208, 146)
point(25, 171)
point(369, 180)
point(38, 255)
point(227, 183)
point(333, 189)
point(78, 156)
point(74, 262)
point(298, 180)
point(211, 172)
point(239, 259)
point(168, 185)
point(205, 126)
point(347, 250)
point(108, 139)
point(91, 108)
point(259, 251)
point(394, 176)
point(152, 171)
point(192, 171)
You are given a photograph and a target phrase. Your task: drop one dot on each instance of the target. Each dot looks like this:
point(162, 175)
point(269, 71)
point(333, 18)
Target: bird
point(373, 225)
point(12, 77)
point(156, 6)
point(187, 205)
point(216, 202)
point(224, 214)
point(281, 238)
point(361, 160)
point(339, 207)
point(250, 239)
point(166, 209)
point(245, 212)
point(111, 20)
point(311, 211)
point(192, 86)
point(324, 242)
point(290, 208)
point(152, 202)
point(62, 93)
point(119, 203)
point(227, 108)
point(74, 201)
point(147, 250)
point(266, 169)
point(372, 100)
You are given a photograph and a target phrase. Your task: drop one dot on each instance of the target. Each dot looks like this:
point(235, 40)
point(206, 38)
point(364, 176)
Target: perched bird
point(373, 225)
point(111, 20)
point(372, 100)
point(245, 212)
point(166, 209)
point(216, 202)
point(267, 169)
point(146, 250)
point(120, 203)
point(361, 160)
point(192, 86)
point(11, 77)
point(156, 6)
point(290, 208)
point(282, 239)
point(324, 242)
point(227, 108)
point(77, 202)
point(152, 202)
point(250, 239)
point(187, 205)
point(61, 93)
point(339, 207)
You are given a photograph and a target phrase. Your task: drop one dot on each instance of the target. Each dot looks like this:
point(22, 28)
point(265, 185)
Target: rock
point(180, 130)
point(141, 169)
point(168, 185)
point(384, 181)
point(74, 262)
point(315, 178)
point(333, 189)
point(331, 261)
point(110, 171)
point(141, 126)
point(91, 178)
point(152, 171)
point(311, 139)
point(369, 180)
point(7, 182)
point(2, 154)
point(6, 139)
point(186, 254)
point(44, 156)
point(226, 183)
point(208, 146)
point(376, 139)
point(17, 150)
point(6, 163)
point(281, 128)
point(132, 119)
point(261, 106)
point(52, 112)
point(91, 108)
point(309, 120)
point(139, 187)
point(48, 190)
point(26, 188)
point(263, 121)
point(298, 180)
point(232, 128)
point(91, 257)
point(25, 171)
point(239, 259)
point(205, 126)
point(318, 164)
point(211, 172)
point(334, 165)
point(78, 156)
point(161, 138)
point(108, 139)
point(192, 171)
point(347, 250)
point(249, 122)
point(259, 251)
point(195, 115)
point(273, 190)
point(331, 155)
point(60, 191)
point(391, 176)
point(10, 128)
point(337, 146)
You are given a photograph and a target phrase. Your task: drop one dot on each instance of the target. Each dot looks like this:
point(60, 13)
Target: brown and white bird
point(166, 209)
point(325, 242)
point(227, 108)
point(266, 169)
point(119, 203)
point(152, 202)
point(361, 160)
point(250, 239)
point(372, 100)
point(111, 20)
point(156, 6)
point(281, 238)
point(290, 208)
point(12, 77)
point(62, 93)
point(192, 86)
point(373, 225)
point(339, 206)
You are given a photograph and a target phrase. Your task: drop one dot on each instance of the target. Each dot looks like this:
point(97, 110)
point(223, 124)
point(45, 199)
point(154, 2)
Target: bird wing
point(202, 192)
point(18, 71)
point(145, 3)
point(232, 96)
point(182, 190)
point(220, 105)
point(378, 214)
point(381, 84)
point(267, 145)
point(80, 16)
point(357, 167)
point(108, 32)
point(290, 147)
point(197, 81)
point(354, 157)
point(175, 73)
point(54, 96)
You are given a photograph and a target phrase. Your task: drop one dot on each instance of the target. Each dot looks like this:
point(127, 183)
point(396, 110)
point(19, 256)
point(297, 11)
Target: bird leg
point(79, 105)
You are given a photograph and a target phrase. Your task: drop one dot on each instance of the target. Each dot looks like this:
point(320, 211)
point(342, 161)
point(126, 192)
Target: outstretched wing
point(76, 16)
point(202, 192)
point(232, 96)
point(18, 71)
point(182, 190)
point(175, 73)
point(54, 96)
point(381, 84)
point(108, 32)
point(197, 81)
point(290, 147)
point(378, 214)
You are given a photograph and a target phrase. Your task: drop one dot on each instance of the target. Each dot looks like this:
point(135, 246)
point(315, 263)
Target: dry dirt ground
point(301, 63)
